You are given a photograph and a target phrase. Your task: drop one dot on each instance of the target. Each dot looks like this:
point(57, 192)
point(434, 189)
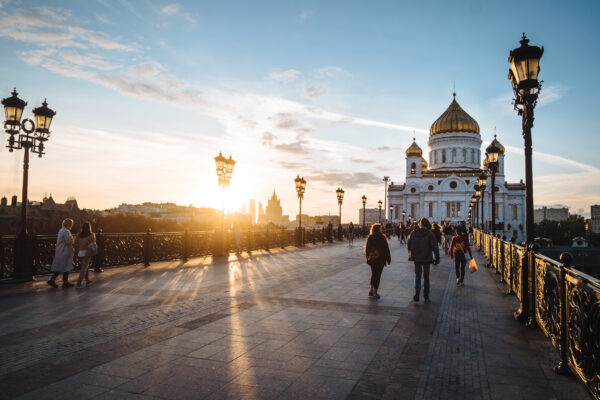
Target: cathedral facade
point(440, 186)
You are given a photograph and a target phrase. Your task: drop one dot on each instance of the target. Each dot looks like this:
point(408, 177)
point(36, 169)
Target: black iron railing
point(562, 301)
point(116, 249)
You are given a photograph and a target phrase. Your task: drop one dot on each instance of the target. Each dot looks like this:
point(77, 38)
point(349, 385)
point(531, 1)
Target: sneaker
point(67, 284)
point(457, 281)
point(79, 287)
point(377, 297)
point(416, 297)
point(52, 283)
point(98, 270)
point(461, 283)
point(427, 300)
point(370, 293)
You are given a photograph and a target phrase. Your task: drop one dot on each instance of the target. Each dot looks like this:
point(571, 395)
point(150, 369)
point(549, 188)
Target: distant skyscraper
point(261, 213)
point(252, 211)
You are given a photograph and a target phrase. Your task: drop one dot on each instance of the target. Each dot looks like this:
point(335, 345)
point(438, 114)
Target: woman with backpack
point(459, 247)
point(85, 245)
point(377, 252)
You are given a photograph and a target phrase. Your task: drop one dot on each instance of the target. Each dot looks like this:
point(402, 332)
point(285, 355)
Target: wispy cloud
point(284, 76)
point(175, 9)
point(315, 90)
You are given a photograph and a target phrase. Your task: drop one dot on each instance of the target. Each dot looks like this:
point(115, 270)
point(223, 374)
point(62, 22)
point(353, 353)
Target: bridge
point(294, 322)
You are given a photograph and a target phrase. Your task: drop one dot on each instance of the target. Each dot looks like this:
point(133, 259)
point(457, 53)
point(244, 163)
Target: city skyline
point(286, 90)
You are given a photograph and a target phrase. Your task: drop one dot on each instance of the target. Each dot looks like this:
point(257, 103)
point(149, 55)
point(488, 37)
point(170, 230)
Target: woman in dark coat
point(377, 252)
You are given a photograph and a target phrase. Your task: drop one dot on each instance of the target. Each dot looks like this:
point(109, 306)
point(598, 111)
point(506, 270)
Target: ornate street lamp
point(403, 215)
point(409, 218)
point(523, 75)
point(28, 136)
point(492, 153)
point(340, 198)
point(224, 169)
point(364, 201)
point(300, 188)
point(391, 212)
point(379, 204)
point(482, 180)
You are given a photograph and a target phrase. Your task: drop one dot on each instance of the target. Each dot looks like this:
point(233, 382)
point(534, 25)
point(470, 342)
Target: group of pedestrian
point(83, 245)
point(423, 243)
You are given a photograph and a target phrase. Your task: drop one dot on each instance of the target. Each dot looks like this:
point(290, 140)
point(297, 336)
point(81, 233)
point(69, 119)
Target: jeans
point(459, 265)
point(85, 263)
point(422, 268)
point(376, 271)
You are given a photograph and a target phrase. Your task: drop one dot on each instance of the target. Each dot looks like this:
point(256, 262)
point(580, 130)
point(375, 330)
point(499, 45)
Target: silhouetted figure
point(84, 245)
point(421, 246)
point(351, 234)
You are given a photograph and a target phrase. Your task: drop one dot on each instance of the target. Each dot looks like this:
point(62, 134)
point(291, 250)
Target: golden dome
point(496, 143)
point(454, 119)
point(424, 163)
point(414, 150)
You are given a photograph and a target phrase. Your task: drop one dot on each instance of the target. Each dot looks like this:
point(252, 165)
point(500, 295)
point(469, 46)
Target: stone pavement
point(281, 325)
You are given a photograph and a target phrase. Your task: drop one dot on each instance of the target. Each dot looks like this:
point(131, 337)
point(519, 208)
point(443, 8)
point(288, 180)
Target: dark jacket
point(421, 244)
point(380, 243)
point(438, 234)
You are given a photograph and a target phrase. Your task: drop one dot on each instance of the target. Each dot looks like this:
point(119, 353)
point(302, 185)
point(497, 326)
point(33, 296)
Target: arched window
point(453, 155)
point(472, 156)
point(413, 168)
point(444, 155)
point(464, 155)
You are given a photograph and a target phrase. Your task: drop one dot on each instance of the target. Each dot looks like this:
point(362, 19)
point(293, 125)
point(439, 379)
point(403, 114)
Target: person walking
point(378, 254)
point(421, 247)
point(448, 235)
point(84, 252)
point(351, 234)
point(402, 236)
point(459, 247)
point(437, 231)
point(63, 255)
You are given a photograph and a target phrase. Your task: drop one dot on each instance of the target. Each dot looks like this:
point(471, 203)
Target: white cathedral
point(441, 189)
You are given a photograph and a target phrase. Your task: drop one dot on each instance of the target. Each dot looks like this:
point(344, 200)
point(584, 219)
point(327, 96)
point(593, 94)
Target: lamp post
point(492, 152)
point(386, 179)
point(340, 198)
point(403, 215)
point(475, 200)
point(523, 75)
point(300, 188)
point(28, 136)
point(224, 169)
point(364, 202)
point(409, 218)
point(379, 204)
point(482, 180)
point(391, 213)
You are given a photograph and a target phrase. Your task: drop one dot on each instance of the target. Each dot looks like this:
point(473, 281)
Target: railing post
point(522, 314)
point(267, 238)
point(562, 368)
point(99, 258)
point(185, 251)
point(499, 246)
point(532, 292)
point(510, 266)
point(502, 262)
point(147, 250)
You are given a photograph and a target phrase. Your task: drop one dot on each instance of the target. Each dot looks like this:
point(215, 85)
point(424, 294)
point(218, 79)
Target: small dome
point(454, 119)
point(424, 163)
point(414, 150)
point(498, 145)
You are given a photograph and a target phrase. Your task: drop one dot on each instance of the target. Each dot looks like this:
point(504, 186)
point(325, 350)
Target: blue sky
point(148, 92)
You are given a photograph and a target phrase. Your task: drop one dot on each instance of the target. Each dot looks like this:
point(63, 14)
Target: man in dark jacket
point(422, 244)
point(377, 252)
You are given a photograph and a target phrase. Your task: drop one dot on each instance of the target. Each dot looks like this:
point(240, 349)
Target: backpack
point(373, 257)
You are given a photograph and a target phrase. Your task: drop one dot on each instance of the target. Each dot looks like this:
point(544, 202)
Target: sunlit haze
point(147, 93)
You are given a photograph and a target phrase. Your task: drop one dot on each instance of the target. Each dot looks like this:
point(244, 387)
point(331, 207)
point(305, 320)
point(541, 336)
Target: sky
point(148, 92)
